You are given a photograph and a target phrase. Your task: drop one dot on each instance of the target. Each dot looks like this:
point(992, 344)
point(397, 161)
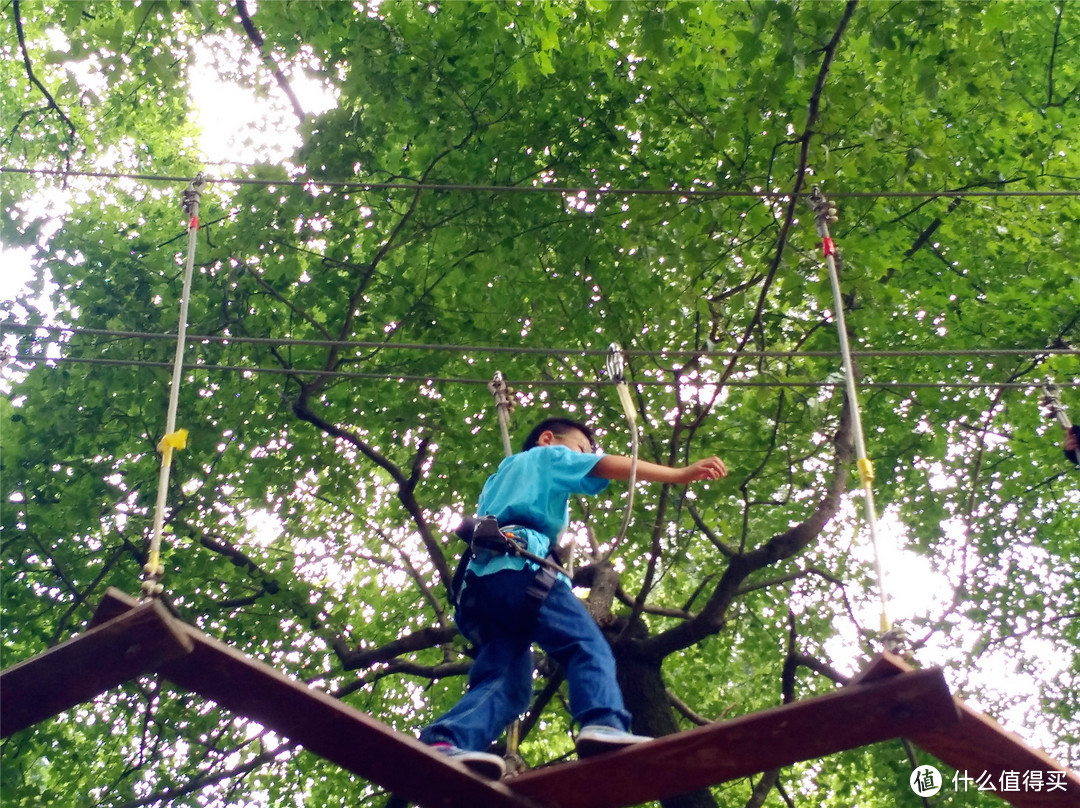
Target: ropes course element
point(824, 213)
point(359, 185)
point(174, 438)
point(663, 353)
point(397, 378)
point(888, 699)
point(1055, 409)
point(616, 368)
point(503, 406)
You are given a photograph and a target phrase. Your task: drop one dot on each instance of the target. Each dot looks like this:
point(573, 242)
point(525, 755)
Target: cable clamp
point(1055, 410)
point(824, 211)
point(616, 363)
point(616, 368)
point(153, 569)
point(502, 392)
point(893, 638)
point(190, 200)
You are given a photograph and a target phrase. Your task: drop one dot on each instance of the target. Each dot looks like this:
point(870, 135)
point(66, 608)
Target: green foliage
point(329, 456)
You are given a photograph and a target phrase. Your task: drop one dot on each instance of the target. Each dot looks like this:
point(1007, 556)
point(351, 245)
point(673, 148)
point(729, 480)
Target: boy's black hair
point(560, 426)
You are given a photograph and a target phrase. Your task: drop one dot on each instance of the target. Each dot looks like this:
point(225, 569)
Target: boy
point(506, 604)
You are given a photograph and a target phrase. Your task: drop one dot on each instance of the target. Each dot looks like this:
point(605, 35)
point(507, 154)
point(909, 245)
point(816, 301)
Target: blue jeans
point(500, 680)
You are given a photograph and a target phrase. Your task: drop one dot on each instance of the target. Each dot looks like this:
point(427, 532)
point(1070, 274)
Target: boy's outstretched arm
point(617, 467)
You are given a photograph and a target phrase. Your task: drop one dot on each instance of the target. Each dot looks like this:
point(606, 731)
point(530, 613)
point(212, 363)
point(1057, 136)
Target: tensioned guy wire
point(540, 350)
point(391, 377)
point(360, 185)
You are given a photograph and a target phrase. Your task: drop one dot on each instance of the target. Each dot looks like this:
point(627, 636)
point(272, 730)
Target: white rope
point(174, 439)
point(616, 368)
point(501, 392)
point(823, 214)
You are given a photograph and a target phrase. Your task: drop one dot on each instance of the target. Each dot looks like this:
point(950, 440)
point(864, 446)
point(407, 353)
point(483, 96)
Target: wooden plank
point(123, 648)
point(327, 727)
point(978, 746)
point(844, 719)
point(882, 666)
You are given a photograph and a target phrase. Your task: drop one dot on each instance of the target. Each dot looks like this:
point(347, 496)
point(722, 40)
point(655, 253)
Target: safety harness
point(483, 533)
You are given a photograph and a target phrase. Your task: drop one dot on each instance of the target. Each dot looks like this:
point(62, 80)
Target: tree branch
point(386, 654)
point(663, 611)
point(257, 40)
point(928, 233)
point(307, 318)
point(686, 711)
point(72, 133)
point(781, 546)
point(813, 108)
point(783, 579)
point(1053, 55)
point(199, 783)
point(405, 493)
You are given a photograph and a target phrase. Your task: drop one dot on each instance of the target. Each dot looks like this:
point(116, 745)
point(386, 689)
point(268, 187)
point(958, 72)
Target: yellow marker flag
point(866, 471)
point(174, 440)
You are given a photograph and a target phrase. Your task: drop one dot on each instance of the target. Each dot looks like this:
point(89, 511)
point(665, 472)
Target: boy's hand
point(708, 468)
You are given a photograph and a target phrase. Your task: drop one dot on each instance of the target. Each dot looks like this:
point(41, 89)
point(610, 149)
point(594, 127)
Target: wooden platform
point(888, 700)
point(978, 745)
point(324, 725)
point(135, 642)
point(844, 719)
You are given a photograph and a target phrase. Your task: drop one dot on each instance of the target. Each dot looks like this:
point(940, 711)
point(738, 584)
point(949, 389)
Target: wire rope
point(361, 185)
point(539, 350)
point(391, 377)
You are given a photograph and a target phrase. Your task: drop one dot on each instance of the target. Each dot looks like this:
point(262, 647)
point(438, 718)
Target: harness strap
point(485, 533)
point(538, 590)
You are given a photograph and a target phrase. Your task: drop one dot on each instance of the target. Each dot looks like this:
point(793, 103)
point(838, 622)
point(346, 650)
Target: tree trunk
point(642, 683)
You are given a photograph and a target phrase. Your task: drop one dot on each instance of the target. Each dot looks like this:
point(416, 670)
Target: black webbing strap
point(484, 533)
point(538, 590)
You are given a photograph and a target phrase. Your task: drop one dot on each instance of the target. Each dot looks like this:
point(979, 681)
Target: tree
point(352, 303)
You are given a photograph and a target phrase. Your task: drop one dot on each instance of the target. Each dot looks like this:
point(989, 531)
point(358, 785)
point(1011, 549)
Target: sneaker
point(595, 739)
point(482, 763)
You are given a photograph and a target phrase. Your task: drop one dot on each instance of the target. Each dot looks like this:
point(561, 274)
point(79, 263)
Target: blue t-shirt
point(534, 487)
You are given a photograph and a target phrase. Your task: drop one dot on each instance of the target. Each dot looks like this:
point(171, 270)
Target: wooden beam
point(119, 650)
point(978, 747)
point(325, 726)
point(844, 719)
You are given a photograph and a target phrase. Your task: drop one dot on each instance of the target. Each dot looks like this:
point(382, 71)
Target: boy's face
point(573, 439)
